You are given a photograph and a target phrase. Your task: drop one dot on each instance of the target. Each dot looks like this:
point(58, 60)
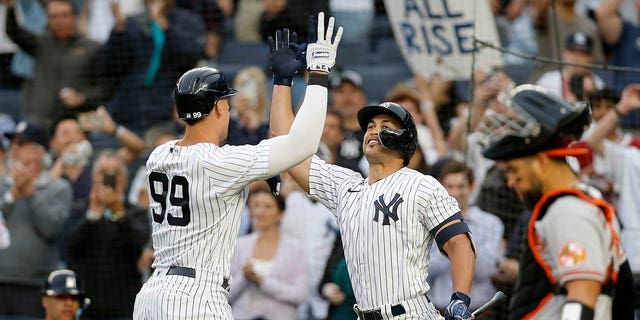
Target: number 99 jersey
point(196, 195)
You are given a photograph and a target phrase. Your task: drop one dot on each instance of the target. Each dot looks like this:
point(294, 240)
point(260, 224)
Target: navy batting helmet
point(405, 140)
point(198, 90)
point(533, 121)
point(65, 282)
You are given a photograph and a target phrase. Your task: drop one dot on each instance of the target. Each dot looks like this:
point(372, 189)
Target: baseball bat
point(499, 296)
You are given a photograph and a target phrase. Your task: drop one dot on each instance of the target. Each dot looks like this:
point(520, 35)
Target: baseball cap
point(348, 76)
point(29, 132)
point(579, 41)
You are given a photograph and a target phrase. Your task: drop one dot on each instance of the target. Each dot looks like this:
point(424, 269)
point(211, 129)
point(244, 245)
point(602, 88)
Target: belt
point(376, 314)
point(191, 273)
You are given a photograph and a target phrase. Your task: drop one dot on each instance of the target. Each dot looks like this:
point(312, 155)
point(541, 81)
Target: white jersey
point(196, 195)
point(385, 228)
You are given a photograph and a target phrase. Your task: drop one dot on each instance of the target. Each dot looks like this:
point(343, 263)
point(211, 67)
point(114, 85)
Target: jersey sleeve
point(435, 204)
point(234, 167)
point(325, 180)
point(574, 236)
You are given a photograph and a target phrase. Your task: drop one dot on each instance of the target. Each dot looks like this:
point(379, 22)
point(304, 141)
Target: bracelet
point(8, 197)
point(618, 112)
point(319, 79)
point(92, 215)
point(119, 131)
point(426, 105)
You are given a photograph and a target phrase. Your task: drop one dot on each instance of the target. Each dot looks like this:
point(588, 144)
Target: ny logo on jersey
point(389, 210)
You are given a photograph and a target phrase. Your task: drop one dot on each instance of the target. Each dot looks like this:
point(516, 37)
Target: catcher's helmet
point(198, 90)
point(534, 121)
point(405, 140)
point(65, 282)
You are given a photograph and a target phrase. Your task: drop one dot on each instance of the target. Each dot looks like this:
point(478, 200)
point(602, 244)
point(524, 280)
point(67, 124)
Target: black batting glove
point(458, 308)
point(285, 63)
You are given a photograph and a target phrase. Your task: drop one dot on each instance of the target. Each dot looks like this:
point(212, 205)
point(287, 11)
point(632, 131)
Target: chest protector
point(536, 283)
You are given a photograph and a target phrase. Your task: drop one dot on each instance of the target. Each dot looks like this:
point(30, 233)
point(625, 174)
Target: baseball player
point(63, 296)
point(389, 220)
point(198, 185)
point(573, 265)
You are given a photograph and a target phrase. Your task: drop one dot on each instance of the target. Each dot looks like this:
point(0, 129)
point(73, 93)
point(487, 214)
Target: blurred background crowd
point(86, 94)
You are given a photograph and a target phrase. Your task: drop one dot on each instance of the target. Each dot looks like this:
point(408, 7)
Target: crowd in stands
point(86, 94)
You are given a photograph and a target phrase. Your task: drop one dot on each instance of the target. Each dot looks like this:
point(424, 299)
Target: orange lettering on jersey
point(572, 254)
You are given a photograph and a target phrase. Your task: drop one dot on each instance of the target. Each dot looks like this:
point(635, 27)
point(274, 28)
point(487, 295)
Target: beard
point(532, 197)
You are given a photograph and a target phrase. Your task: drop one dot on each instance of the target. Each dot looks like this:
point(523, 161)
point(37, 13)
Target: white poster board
point(436, 36)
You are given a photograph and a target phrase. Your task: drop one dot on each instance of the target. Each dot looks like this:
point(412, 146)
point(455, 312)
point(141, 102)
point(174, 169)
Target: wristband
point(92, 215)
point(426, 105)
point(119, 131)
point(319, 79)
point(282, 81)
point(8, 197)
point(462, 297)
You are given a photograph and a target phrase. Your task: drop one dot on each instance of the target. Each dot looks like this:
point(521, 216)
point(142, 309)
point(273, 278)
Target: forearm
point(25, 40)
point(281, 116)
point(609, 21)
point(583, 291)
point(607, 123)
point(460, 252)
point(304, 136)
point(132, 144)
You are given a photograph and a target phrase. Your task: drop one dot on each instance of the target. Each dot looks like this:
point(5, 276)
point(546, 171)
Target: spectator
point(578, 48)
point(52, 92)
point(356, 16)
point(348, 98)
point(248, 124)
point(246, 24)
point(108, 241)
point(554, 24)
point(72, 151)
point(336, 285)
point(269, 271)
point(332, 137)
point(624, 164)
point(144, 57)
point(63, 296)
point(624, 37)
point(594, 168)
point(35, 205)
point(487, 232)
point(312, 225)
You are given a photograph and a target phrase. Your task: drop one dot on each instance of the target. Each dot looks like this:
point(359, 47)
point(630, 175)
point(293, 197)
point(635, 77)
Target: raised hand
point(321, 55)
point(284, 62)
point(630, 99)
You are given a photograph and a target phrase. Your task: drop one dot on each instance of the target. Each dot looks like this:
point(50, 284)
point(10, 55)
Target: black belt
point(191, 273)
point(375, 314)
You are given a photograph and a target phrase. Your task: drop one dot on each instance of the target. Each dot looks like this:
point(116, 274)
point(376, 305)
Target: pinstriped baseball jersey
point(196, 197)
point(385, 229)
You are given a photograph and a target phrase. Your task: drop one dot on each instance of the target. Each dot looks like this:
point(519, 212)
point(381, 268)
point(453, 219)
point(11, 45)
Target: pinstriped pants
point(169, 297)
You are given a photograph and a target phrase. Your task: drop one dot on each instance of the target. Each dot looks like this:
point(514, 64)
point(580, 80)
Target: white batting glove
point(321, 55)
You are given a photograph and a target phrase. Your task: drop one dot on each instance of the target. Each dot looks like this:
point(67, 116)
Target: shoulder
point(570, 206)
